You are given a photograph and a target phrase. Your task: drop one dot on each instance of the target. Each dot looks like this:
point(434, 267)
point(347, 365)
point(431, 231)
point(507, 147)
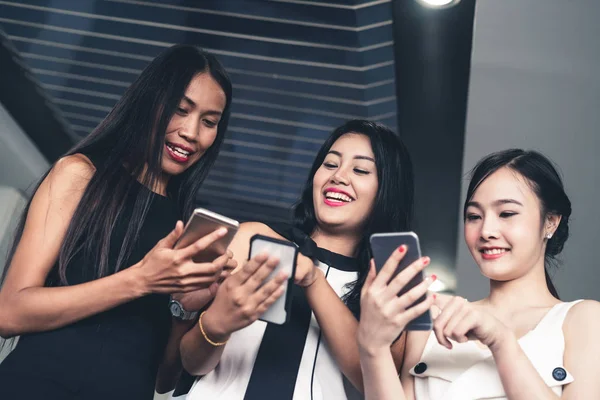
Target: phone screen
point(382, 246)
point(201, 223)
point(287, 253)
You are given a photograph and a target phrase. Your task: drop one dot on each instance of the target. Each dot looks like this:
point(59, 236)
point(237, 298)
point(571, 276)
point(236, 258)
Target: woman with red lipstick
point(361, 182)
point(92, 268)
point(519, 343)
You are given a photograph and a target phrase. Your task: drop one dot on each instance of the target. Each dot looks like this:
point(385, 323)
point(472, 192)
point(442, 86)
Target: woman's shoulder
point(71, 172)
point(584, 314)
point(77, 163)
point(252, 228)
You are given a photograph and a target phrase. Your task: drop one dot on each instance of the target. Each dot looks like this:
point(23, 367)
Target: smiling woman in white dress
point(521, 342)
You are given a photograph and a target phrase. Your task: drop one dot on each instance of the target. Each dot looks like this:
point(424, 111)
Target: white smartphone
point(382, 246)
point(287, 253)
point(201, 223)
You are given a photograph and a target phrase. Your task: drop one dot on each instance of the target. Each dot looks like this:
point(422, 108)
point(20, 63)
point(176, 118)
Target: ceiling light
point(439, 3)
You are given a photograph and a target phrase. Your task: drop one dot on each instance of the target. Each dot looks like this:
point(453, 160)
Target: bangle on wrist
point(212, 343)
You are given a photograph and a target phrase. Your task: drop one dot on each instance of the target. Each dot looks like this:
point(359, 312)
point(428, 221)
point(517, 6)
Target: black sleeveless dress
point(111, 355)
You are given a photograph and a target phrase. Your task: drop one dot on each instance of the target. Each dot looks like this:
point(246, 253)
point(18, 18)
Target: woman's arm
point(521, 380)
point(384, 316)
point(237, 304)
point(169, 370)
point(582, 348)
point(27, 306)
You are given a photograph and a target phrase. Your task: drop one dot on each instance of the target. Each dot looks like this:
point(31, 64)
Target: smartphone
point(201, 223)
point(287, 253)
point(382, 246)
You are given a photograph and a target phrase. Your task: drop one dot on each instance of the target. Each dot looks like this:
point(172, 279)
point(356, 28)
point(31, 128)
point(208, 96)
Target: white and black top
point(290, 361)
point(468, 371)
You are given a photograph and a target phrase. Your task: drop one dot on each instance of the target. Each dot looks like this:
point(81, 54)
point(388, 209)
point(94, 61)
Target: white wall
point(21, 163)
point(535, 84)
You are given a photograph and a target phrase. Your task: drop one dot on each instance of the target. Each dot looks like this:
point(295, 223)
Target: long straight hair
point(393, 208)
point(130, 141)
point(545, 181)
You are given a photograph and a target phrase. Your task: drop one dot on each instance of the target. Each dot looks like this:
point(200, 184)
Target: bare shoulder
point(72, 169)
point(249, 229)
point(240, 244)
point(583, 315)
point(66, 181)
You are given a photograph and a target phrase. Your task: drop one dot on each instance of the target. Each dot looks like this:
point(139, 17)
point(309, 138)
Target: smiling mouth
point(177, 153)
point(335, 198)
point(493, 254)
point(493, 251)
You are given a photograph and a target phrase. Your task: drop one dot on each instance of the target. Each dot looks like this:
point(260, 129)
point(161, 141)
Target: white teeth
point(178, 150)
point(494, 251)
point(338, 196)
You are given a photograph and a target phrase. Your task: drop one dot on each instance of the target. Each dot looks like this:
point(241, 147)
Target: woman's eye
point(329, 165)
point(507, 214)
point(210, 124)
point(181, 111)
point(361, 171)
point(472, 217)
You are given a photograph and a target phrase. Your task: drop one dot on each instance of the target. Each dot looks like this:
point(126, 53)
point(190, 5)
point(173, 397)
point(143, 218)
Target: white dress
point(468, 371)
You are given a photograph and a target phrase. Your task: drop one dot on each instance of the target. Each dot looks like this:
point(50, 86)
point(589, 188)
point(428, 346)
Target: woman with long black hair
point(92, 266)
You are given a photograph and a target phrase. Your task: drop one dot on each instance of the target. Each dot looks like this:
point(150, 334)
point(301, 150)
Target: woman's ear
point(551, 225)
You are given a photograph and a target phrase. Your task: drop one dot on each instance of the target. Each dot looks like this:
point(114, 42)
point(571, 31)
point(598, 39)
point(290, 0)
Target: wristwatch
point(177, 311)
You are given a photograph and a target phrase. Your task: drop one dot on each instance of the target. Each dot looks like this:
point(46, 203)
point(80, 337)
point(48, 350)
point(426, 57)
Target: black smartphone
point(382, 246)
point(287, 253)
point(201, 223)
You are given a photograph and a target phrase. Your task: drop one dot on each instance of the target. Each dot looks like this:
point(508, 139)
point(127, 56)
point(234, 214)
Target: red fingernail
point(402, 248)
point(426, 261)
point(433, 277)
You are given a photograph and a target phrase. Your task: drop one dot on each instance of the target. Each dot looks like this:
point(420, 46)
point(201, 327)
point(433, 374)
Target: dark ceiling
point(299, 69)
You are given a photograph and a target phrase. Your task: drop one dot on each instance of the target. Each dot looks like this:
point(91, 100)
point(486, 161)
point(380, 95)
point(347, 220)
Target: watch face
point(175, 309)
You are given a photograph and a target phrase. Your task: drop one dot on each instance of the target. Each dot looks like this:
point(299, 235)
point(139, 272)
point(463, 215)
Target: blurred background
point(456, 82)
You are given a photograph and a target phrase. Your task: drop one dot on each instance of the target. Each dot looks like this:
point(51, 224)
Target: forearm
point(198, 356)
point(339, 327)
point(381, 381)
point(170, 368)
point(520, 379)
point(37, 309)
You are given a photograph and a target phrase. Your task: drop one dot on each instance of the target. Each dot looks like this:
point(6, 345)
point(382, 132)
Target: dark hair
point(128, 140)
point(393, 207)
point(545, 182)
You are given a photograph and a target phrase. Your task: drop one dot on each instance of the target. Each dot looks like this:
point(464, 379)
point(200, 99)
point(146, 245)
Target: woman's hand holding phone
point(198, 299)
point(384, 314)
point(166, 270)
point(243, 297)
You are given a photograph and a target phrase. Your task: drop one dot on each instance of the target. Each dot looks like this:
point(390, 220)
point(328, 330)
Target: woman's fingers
point(389, 268)
point(405, 277)
point(409, 298)
point(269, 289)
point(250, 267)
point(201, 244)
point(257, 279)
point(417, 310)
point(448, 310)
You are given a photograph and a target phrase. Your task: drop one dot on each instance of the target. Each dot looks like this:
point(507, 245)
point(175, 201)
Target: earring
point(549, 236)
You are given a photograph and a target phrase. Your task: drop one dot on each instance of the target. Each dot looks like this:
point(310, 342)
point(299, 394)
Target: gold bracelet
point(216, 344)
